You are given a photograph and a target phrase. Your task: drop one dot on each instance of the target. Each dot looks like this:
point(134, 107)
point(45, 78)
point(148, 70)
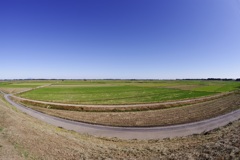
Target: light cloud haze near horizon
point(141, 39)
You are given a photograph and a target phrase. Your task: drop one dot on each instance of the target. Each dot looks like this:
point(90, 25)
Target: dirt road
point(132, 132)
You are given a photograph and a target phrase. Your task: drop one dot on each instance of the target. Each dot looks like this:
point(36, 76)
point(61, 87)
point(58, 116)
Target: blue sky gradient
point(145, 39)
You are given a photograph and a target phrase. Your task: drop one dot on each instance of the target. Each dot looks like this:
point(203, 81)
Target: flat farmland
point(21, 86)
point(112, 102)
point(109, 92)
point(24, 84)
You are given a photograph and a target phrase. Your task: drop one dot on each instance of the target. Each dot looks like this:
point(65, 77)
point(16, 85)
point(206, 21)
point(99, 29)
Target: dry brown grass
point(7, 150)
point(37, 140)
point(171, 116)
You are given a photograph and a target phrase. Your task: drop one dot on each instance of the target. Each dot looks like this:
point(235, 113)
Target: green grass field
point(121, 92)
point(23, 84)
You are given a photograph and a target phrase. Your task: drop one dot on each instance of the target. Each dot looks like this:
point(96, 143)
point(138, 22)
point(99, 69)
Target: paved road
point(132, 132)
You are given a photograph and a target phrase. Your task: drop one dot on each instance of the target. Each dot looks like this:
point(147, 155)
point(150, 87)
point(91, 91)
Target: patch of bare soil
point(37, 140)
point(171, 116)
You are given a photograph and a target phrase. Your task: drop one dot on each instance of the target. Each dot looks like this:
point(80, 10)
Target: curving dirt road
point(132, 132)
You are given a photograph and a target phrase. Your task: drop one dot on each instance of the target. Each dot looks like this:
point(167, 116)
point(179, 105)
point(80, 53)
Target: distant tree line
point(214, 79)
point(198, 79)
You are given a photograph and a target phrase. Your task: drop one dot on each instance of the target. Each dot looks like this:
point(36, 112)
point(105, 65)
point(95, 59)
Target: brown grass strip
point(162, 117)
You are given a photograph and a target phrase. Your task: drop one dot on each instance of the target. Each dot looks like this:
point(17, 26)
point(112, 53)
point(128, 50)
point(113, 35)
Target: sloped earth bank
point(162, 117)
point(28, 138)
point(119, 108)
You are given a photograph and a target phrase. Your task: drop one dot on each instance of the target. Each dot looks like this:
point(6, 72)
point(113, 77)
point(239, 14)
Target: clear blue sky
point(162, 39)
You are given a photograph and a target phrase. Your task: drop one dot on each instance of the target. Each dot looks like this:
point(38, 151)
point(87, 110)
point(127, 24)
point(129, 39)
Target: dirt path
point(132, 132)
